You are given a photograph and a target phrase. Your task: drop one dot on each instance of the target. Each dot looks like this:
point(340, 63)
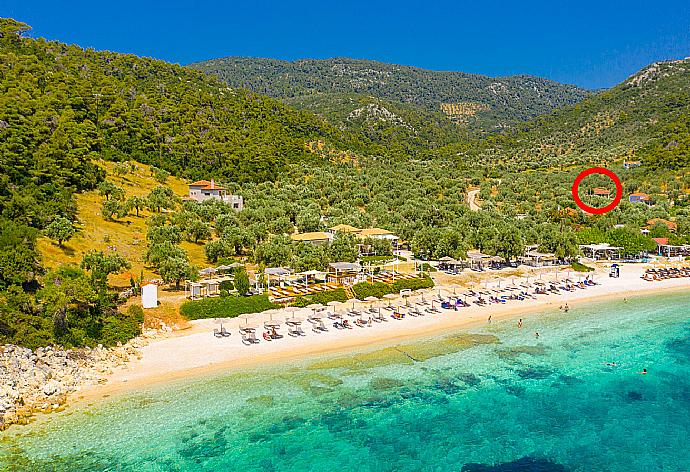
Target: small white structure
point(149, 295)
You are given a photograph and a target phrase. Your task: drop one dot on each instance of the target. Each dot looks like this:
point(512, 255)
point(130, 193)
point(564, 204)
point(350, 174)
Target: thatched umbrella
point(314, 307)
point(272, 312)
point(354, 301)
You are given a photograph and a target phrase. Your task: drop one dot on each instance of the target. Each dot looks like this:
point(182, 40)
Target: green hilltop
point(646, 117)
point(477, 102)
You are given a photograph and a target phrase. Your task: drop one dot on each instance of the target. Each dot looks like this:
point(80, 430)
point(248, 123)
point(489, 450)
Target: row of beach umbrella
point(450, 290)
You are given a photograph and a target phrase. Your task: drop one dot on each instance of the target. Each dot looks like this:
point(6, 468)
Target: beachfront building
point(203, 190)
point(343, 273)
point(601, 251)
point(476, 260)
point(665, 249)
point(534, 258)
point(315, 237)
point(202, 289)
point(449, 265)
point(277, 275)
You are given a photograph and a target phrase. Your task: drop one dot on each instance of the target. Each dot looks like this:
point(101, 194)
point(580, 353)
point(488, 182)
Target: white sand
point(196, 350)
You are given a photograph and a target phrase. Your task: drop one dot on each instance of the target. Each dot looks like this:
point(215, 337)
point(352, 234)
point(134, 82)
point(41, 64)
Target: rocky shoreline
point(41, 380)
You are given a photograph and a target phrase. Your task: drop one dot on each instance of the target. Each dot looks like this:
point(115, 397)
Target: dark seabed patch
point(513, 352)
point(525, 464)
point(679, 348)
point(535, 373)
point(198, 447)
point(384, 383)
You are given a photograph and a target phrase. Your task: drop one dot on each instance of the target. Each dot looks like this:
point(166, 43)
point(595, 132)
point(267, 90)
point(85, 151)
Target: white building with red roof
point(203, 190)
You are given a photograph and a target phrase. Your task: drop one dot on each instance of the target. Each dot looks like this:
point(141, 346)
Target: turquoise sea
point(495, 398)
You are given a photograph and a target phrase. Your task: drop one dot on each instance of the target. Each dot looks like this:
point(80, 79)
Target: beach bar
point(601, 251)
point(538, 259)
point(343, 273)
point(477, 259)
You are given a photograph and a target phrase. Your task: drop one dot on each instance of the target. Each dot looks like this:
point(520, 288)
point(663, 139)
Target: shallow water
point(493, 399)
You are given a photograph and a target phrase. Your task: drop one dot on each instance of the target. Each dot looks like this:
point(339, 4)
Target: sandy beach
point(196, 351)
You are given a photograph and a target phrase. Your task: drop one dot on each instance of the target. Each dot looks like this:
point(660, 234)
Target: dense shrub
point(578, 267)
point(136, 313)
point(338, 295)
point(379, 289)
point(225, 307)
point(226, 285)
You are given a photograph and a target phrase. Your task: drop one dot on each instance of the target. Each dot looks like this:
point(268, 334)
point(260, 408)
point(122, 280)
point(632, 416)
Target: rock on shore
point(40, 380)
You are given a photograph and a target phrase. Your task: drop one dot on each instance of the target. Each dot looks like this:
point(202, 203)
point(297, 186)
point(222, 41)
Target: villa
point(203, 190)
point(600, 192)
point(669, 224)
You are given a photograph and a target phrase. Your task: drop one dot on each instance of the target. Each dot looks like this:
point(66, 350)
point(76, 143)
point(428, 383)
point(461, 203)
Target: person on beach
point(566, 308)
point(520, 323)
point(489, 320)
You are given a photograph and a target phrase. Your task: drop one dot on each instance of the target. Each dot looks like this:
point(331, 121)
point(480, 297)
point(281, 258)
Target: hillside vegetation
point(647, 118)
point(94, 147)
point(126, 234)
point(483, 103)
point(61, 106)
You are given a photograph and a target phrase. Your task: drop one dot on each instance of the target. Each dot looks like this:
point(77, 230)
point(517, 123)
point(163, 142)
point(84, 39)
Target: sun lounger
point(415, 312)
point(249, 337)
point(378, 317)
point(217, 333)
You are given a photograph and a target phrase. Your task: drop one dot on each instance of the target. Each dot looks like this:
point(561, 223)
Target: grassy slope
point(127, 234)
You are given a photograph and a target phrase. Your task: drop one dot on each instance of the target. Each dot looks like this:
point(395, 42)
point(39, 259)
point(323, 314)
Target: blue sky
point(591, 44)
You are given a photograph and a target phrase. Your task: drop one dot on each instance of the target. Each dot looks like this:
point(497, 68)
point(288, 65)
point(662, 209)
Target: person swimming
point(612, 364)
point(536, 335)
point(520, 323)
point(644, 372)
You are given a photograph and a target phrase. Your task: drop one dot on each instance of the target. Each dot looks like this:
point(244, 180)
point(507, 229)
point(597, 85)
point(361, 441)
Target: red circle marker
point(607, 173)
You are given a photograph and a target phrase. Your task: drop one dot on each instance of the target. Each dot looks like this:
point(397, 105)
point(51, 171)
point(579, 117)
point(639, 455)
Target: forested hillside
point(61, 106)
point(647, 118)
point(482, 103)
